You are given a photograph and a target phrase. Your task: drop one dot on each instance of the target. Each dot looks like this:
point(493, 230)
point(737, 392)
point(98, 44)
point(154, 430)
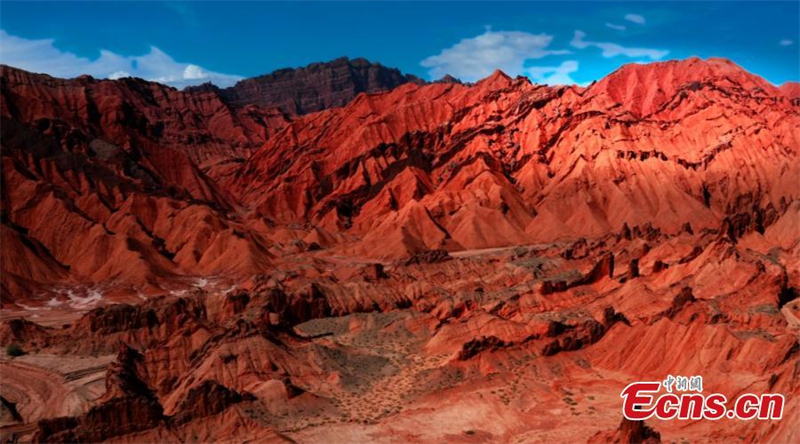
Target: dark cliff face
point(315, 87)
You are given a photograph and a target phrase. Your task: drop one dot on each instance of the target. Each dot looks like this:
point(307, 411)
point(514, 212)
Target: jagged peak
point(498, 74)
point(497, 80)
point(642, 88)
point(358, 62)
point(335, 82)
point(447, 78)
point(691, 69)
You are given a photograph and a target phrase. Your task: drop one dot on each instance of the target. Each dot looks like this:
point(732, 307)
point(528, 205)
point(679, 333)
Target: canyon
point(344, 253)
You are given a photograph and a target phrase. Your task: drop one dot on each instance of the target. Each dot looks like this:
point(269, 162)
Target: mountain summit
point(343, 253)
point(388, 175)
point(315, 87)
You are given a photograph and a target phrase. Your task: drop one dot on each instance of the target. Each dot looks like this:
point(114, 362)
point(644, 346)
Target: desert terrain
point(343, 253)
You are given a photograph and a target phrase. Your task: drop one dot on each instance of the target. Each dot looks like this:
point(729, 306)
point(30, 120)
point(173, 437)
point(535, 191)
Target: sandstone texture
point(342, 253)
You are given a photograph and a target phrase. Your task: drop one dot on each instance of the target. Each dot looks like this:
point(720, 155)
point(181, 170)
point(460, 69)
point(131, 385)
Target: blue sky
point(183, 43)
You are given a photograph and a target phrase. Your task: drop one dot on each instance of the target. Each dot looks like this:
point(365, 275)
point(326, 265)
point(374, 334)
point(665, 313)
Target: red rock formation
point(207, 399)
point(8, 413)
point(791, 90)
point(423, 167)
point(120, 416)
point(432, 263)
point(515, 163)
point(22, 331)
point(629, 432)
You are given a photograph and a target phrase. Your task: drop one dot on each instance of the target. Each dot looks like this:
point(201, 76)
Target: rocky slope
point(506, 162)
point(433, 263)
point(313, 88)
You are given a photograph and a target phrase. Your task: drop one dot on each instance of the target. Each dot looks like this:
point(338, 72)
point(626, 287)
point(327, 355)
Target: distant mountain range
point(343, 253)
point(408, 167)
point(315, 87)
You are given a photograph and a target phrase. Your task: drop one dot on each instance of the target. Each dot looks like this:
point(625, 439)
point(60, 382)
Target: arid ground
point(343, 253)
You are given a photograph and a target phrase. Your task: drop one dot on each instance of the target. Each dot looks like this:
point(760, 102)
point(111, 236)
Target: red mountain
point(519, 250)
point(506, 162)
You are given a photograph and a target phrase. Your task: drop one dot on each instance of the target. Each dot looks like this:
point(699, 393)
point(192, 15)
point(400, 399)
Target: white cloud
point(194, 72)
point(635, 18)
point(786, 42)
point(475, 58)
point(554, 75)
point(43, 57)
point(617, 27)
point(119, 75)
point(612, 49)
